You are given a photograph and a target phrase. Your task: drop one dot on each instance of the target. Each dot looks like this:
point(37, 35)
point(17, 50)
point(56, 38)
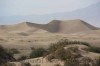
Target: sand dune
point(73, 26)
point(20, 28)
point(55, 26)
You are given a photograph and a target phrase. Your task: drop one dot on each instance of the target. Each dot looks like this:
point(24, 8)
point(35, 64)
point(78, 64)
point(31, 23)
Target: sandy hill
point(55, 26)
point(69, 26)
point(25, 27)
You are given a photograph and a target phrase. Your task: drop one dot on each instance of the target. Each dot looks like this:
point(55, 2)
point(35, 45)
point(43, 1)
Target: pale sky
point(38, 7)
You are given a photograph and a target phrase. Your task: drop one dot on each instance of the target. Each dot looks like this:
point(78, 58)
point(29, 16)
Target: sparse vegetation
point(65, 54)
point(86, 61)
point(72, 62)
point(93, 49)
point(71, 56)
point(37, 53)
point(53, 47)
point(74, 49)
point(5, 56)
point(61, 54)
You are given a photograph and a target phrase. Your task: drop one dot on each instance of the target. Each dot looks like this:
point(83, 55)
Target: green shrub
point(37, 53)
point(61, 54)
point(72, 62)
point(50, 57)
point(74, 49)
point(93, 49)
point(86, 61)
point(5, 56)
point(65, 54)
point(53, 47)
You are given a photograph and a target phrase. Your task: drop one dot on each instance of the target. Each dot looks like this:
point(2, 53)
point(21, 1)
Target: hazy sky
point(29, 7)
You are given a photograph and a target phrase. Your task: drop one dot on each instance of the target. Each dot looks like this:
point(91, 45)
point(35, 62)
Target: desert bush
point(5, 56)
point(86, 61)
point(50, 57)
point(74, 49)
point(93, 49)
point(61, 54)
point(37, 53)
point(64, 54)
point(54, 47)
point(72, 62)
point(62, 43)
point(85, 43)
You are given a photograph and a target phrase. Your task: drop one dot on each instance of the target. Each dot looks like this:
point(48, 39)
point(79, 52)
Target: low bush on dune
point(54, 46)
point(5, 56)
point(93, 49)
point(64, 54)
point(71, 55)
point(74, 49)
point(39, 52)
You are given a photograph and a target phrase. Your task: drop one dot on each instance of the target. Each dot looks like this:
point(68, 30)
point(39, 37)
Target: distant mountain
point(55, 26)
point(90, 14)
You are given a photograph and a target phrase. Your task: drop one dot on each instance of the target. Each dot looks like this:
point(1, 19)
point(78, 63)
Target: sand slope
point(73, 26)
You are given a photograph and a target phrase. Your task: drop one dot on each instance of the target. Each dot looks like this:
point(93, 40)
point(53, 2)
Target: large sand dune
point(55, 26)
point(71, 26)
